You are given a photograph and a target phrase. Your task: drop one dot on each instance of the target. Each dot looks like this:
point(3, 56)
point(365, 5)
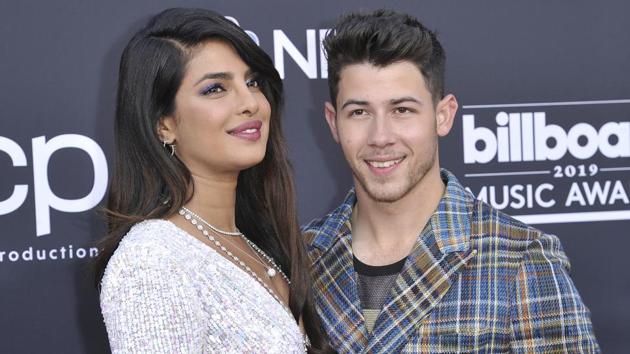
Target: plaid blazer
point(476, 281)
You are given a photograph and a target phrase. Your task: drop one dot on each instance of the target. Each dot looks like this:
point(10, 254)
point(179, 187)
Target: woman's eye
point(212, 89)
point(253, 83)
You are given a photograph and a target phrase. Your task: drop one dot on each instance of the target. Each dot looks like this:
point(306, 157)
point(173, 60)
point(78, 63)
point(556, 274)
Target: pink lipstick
point(248, 130)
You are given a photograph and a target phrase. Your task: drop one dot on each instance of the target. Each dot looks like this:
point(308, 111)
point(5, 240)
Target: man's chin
point(384, 193)
point(382, 190)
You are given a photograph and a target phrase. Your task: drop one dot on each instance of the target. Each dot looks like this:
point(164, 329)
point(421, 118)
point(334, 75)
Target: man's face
point(388, 127)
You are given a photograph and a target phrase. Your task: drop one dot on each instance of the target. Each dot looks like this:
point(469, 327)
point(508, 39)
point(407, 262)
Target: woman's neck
point(214, 199)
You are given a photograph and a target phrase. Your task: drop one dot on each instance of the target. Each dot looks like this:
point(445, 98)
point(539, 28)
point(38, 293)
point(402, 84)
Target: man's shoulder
point(478, 218)
point(323, 228)
point(315, 225)
point(321, 231)
point(480, 211)
point(312, 229)
point(492, 226)
point(485, 214)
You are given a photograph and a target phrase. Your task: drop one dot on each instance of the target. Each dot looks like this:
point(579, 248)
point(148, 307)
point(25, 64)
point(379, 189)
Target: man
point(411, 262)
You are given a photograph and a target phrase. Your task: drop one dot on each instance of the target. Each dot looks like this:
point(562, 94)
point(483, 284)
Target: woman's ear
point(165, 129)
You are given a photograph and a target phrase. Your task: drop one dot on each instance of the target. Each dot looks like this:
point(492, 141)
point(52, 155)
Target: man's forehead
point(402, 66)
point(398, 74)
point(390, 84)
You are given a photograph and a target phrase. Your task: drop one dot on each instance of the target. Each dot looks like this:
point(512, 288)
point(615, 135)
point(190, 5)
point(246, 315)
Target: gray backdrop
point(543, 87)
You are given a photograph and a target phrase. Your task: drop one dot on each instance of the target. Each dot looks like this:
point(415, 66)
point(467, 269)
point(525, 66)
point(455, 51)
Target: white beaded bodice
point(164, 291)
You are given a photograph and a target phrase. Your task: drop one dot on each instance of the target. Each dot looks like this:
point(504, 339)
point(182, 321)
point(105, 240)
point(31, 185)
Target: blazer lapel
point(338, 298)
point(425, 278)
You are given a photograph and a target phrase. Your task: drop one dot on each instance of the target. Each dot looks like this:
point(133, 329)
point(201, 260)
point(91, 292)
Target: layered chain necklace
point(272, 269)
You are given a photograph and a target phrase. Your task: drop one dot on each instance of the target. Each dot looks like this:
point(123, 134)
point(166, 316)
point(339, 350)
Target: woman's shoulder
point(150, 232)
point(150, 244)
point(152, 236)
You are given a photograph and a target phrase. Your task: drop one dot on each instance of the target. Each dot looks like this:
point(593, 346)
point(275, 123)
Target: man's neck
point(383, 233)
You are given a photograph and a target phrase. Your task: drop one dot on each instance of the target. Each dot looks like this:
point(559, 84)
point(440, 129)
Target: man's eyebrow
point(356, 102)
point(395, 101)
point(219, 75)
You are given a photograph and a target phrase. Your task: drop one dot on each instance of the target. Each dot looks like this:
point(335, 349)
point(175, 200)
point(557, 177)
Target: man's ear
point(445, 114)
point(331, 119)
point(165, 129)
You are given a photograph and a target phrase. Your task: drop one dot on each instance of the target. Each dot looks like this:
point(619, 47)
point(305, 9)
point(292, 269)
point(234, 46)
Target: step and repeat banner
point(543, 132)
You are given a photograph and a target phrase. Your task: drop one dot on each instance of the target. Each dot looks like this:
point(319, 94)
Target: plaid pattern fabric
point(477, 281)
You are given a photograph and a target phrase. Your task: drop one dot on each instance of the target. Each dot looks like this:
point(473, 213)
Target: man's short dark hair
point(382, 38)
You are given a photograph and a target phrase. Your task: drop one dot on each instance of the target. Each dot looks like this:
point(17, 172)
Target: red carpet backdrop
point(543, 132)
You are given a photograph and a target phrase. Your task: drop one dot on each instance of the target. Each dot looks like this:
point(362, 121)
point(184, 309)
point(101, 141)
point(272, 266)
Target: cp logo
point(45, 198)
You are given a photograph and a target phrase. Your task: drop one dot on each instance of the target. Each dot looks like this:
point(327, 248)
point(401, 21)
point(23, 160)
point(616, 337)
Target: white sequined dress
point(164, 291)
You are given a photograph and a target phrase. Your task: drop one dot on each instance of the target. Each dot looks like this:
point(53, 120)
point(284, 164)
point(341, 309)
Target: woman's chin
point(246, 163)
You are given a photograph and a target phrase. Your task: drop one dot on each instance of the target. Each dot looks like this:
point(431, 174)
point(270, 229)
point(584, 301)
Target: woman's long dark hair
point(149, 183)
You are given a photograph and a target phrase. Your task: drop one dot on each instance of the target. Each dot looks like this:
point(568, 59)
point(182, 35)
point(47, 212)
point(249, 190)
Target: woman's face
point(221, 119)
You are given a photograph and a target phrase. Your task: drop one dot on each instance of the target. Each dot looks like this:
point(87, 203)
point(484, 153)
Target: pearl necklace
point(212, 227)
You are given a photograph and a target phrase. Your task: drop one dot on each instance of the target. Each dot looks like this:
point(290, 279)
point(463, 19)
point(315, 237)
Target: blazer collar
point(451, 220)
point(338, 299)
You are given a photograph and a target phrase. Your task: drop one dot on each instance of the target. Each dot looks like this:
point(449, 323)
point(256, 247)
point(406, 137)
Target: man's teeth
point(384, 164)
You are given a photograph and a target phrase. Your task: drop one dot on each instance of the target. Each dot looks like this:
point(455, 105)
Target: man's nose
point(381, 132)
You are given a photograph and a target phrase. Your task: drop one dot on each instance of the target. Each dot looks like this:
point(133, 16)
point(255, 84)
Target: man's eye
point(357, 112)
point(402, 110)
point(212, 89)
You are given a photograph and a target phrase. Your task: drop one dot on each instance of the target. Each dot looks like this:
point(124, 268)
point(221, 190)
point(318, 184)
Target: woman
point(204, 252)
